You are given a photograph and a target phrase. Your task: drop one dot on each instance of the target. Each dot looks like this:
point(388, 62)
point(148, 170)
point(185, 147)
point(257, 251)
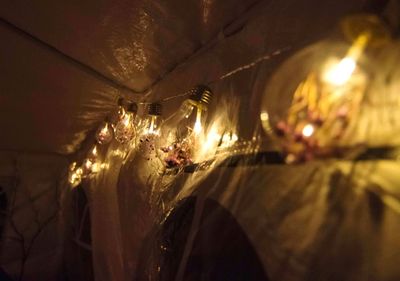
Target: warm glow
point(104, 134)
point(211, 140)
point(152, 127)
point(105, 129)
point(197, 125)
point(264, 116)
point(75, 176)
point(88, 164)
point(121, 112)
point(94, 151)
point(308, 130)
point(229, 139)
point(235, 138)
point(340, 73)
point(126, 119)
point(96, 167)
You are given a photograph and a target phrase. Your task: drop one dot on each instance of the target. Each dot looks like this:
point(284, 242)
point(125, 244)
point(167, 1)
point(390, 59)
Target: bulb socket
point(201, 94)
point(154, 109)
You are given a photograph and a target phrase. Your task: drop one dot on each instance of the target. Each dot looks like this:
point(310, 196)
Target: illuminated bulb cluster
point(328, 83)
point(89, 167)
point(120, 126)
point(150, 131)
point(183, 135)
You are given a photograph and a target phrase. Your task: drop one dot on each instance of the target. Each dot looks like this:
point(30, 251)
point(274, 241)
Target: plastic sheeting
point(319, 221)
point(132, 42)
point(31, 240)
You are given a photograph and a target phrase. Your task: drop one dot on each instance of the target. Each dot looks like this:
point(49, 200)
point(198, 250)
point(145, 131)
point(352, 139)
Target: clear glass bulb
point(150, 131)
point(185, 128)
point(75, 175)
point(151, 126)
point(91, 164)
point(312, 99)
point(192, 123)
point(125, 129)
point(379, 117)
point(118, 114)
point(104, 134)
point(93, 153)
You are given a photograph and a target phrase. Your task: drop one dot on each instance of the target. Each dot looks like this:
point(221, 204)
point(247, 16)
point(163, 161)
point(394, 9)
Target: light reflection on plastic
point(152, 130)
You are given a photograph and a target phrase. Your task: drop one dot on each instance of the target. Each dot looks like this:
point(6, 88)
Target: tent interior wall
point(65, 64)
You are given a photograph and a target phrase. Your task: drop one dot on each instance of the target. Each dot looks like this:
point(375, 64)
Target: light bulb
point(228, 140)
point(185, 127)
point(91, 164)
point(150, 131)
point(152, 123)
point(125, 129)
point(378, 120)
point(311, 99)
point(104, 134)
point(75, 175)
point(93, 153)
point(119, 113)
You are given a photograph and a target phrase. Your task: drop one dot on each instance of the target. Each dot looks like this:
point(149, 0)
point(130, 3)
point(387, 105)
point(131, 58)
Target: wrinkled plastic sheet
point(30, 222)
point(320, 221)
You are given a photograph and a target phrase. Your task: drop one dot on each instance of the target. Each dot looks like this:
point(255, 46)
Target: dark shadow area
point(221, 249)
point(79, 261)
point(3, 211)
point(3, 217)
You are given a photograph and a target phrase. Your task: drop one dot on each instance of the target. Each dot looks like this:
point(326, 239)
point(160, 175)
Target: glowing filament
point(88, 164)
point(341, 73)
point(197, 125)
point(93, 153)
point(152, 129)
point(121, 112)
point(308, 130)
point(105, 130)
point(126, 119)
point(228, 140)
point(264, 116)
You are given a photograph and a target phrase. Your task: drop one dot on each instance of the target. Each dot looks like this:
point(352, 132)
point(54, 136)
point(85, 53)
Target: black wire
point(276, 158)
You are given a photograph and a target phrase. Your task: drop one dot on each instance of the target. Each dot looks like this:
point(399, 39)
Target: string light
point(326, 93)
point(328, 83)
